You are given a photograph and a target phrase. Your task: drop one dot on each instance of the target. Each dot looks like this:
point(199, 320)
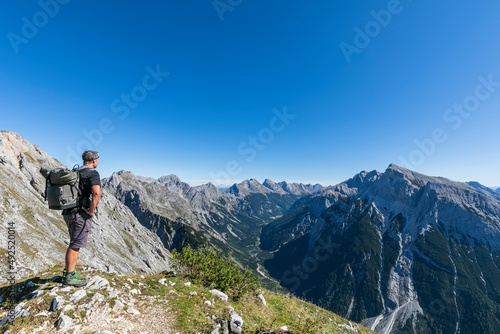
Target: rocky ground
point(162, 303)
point(105, 305)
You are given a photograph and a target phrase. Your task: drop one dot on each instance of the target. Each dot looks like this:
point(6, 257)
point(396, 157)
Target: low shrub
point(212, 269)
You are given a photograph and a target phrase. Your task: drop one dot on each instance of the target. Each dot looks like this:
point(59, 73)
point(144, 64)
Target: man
point(79, 219)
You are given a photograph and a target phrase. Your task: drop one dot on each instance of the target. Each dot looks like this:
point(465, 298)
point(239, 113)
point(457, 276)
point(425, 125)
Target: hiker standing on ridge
point(79, 219)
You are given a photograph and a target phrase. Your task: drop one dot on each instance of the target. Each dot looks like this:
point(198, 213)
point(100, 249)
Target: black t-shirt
point(88, 177)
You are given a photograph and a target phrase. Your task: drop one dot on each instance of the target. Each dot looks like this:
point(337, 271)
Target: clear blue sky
point(237, 89)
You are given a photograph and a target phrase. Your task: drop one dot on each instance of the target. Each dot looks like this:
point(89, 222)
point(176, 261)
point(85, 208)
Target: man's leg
point(71, 259)
point(78, 228)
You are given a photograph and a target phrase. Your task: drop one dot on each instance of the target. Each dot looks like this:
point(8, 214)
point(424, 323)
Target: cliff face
point(183, 215)
point(400, 251)
point(117, 243)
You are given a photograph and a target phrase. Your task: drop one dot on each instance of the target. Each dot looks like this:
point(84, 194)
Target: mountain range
point(182, 215)
point(398, 251)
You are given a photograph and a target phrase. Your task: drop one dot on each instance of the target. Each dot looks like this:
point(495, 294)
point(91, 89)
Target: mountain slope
point(270, 199)
point(113, 303)
point(400, 251)
point(182, 215)
point(117, 243)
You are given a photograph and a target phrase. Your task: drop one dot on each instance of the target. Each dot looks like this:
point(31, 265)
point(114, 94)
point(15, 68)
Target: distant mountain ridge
point(405, 252)
point(251, 186)
point(182, 215)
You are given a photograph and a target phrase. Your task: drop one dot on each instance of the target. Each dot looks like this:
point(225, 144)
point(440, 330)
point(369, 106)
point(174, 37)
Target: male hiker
point(79, 219)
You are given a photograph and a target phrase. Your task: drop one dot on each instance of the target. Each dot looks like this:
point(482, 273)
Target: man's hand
point(91, 214)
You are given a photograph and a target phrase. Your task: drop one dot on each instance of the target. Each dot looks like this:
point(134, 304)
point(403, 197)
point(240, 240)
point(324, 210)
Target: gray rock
point(24, 313)
point(112, 294)
point(17, 313)
point(225, 327)
point(236, 323)
point(77, 296)
point(219, 294)
point(68, 307)
point(97, 283)
point(64, 323)
point(42, 314)
point(118, 306)
point(56, 304)
point(261, 297)
point(35, 294)
point(53, 291)
point(96, 300)
point(133, 311)
point(216, 329)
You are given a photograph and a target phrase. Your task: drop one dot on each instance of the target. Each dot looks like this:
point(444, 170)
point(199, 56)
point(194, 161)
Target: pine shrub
point(214, 270)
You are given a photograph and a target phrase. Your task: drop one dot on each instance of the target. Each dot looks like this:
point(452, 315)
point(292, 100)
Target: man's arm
point(96, 196)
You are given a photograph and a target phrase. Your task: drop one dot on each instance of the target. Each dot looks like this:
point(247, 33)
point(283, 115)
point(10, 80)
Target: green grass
point(193, 315)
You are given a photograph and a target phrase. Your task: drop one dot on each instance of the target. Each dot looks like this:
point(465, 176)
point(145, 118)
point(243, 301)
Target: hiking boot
point(74, 279)
point(78, 272)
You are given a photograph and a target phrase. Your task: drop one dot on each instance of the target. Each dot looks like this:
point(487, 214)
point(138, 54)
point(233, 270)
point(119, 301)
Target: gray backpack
point(62, 188)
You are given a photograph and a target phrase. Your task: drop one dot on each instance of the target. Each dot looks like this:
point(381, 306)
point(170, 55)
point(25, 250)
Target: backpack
point(62, 188)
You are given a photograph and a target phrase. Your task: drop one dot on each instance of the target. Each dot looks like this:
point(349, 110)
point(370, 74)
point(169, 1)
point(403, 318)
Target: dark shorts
point(79, 226)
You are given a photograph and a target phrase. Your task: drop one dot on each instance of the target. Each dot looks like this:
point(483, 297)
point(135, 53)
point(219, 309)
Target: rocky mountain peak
point(172, 178)
point(485, 190)
point(25, 159)
point(273, 186)
point(402, 227)
point(247, 187)
point(174, 184)
point(209, 191)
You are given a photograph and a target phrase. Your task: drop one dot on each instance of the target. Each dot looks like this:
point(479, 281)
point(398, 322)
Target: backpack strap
point(76, 186)
point(46, 186)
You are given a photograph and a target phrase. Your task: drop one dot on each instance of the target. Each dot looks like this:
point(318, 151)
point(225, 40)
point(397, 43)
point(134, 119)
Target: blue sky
point(228, 90)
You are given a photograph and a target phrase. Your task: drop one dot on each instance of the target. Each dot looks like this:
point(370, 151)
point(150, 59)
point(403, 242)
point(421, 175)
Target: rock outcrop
point(117, 243)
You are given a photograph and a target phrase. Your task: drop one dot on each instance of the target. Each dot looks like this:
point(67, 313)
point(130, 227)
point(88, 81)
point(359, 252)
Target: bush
point(212, 269)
